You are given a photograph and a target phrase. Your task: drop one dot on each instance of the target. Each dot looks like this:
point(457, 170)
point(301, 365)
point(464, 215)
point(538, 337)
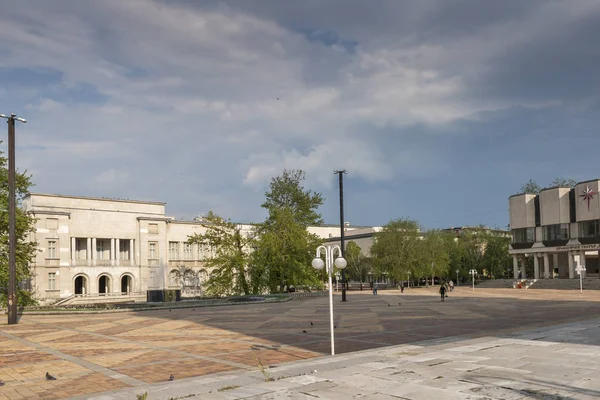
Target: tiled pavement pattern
point(551, 363)
point(91, 353)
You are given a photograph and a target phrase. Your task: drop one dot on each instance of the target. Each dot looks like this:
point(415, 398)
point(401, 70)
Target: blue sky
point(438, 110)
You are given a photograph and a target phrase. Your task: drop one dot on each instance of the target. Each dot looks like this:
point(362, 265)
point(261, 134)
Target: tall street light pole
point(12, 237)
point(341, 175)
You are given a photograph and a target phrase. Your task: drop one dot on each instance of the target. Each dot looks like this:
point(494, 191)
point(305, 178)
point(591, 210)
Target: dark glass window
point(556, 232)
point(523, 235)
point(589, 228)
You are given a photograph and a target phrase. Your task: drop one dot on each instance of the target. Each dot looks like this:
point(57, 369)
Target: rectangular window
point(200, 251)
point(153, 229)
point(152, 250)
point(523, 235)
point(123, 249)
point(187, 251)
point(556, 232)
point(173, 250)
point(589, 228)
point(51, 248)
point(52, 281)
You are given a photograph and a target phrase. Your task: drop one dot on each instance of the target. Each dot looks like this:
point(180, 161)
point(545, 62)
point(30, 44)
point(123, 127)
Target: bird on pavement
point(50, 377)
point(311, 324)
point(304, 332)
point(172, 378)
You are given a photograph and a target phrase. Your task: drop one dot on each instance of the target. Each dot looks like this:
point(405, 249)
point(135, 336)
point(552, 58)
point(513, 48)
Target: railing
point(104, 263)
point(81, 262)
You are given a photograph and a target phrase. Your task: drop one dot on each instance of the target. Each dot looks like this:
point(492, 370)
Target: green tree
point(496, 260)
point(564, 182)
point(25, 225)
point(285, 249)
point(531, 186)
point(395, 250)
point(434, 254)
point(232, 254)
point(359, 265)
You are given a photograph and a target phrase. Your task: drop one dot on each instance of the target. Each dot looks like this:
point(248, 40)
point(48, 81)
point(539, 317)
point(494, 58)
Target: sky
point(438, 110)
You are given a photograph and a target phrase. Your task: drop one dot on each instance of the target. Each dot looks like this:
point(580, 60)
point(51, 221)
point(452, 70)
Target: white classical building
point(559, 227)
point(102, 246)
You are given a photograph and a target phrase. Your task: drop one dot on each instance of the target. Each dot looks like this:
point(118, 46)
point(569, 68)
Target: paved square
point(92, 353)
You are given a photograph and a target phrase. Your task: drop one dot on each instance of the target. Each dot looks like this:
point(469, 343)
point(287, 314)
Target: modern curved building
point(560, 228)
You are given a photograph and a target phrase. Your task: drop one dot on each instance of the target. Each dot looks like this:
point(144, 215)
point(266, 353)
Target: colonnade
point(573, 258)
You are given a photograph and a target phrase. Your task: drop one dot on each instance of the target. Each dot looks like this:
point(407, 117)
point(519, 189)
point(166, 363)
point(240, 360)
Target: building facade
point(90, 246)
point(559, 228)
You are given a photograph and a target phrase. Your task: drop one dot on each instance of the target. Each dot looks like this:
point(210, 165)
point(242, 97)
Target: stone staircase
point(566, 284)
point(97, 298)
point(496, 284)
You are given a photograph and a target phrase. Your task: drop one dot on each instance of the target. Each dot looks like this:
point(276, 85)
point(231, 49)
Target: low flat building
point(559, 228)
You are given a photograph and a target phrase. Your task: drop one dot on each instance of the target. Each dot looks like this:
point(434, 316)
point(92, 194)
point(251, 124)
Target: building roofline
point(555, 187)
point(588, 181)
point(521, 194)
point(64, 196)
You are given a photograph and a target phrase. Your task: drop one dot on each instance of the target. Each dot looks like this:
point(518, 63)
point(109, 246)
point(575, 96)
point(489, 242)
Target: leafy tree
point(560, 181)
point(359, 265)
point(471, 250)
point(496, 260)
point(286, 191)
point(395, 250)
point(285, 249)
point(434, 254)
point(531, 186)
point(228, 266)
point(25, 225)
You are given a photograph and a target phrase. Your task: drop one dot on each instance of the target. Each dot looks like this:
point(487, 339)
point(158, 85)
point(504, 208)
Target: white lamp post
point(580, 270)
point(457, 271)
point(473, 272)
point(340, 263)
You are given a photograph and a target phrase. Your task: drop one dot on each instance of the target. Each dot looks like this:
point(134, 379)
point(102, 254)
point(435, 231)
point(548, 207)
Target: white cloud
point(197, 92)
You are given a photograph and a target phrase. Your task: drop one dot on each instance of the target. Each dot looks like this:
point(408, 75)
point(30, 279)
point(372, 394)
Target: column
point(88, 250)
point(571, 266)
point(94, 249)
point(546, 266)
point(536, 267)
point(73, 250)
point(117, 251)
point(112, 251)
point(131, 251)
point(523, 271)
point(516, 267)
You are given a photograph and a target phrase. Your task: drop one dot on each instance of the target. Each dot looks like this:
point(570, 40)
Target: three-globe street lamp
point(12, 237)
point(473, 272)
point(340, 263)
point(580, 270)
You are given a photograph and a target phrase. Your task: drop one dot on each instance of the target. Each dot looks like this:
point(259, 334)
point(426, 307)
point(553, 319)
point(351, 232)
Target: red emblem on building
point(588, 194)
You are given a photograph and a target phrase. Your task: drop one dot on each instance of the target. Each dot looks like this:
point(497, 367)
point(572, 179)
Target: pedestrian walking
point(375, 289)
point(451, 284)
point(443, 291)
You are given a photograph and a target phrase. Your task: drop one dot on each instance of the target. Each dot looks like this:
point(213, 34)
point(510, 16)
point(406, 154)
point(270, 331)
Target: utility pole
point(12, 237)
point(341, 173)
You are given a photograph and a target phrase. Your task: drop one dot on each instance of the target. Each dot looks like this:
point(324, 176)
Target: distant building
point(99, 246)
point(559, 227)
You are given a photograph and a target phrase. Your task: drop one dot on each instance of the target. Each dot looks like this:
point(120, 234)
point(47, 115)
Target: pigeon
point(169, 310)
point(311, 324)
point(172, 378)
point(389, 305)
point(50, 377)
point(304, 332)
point(335, 327)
